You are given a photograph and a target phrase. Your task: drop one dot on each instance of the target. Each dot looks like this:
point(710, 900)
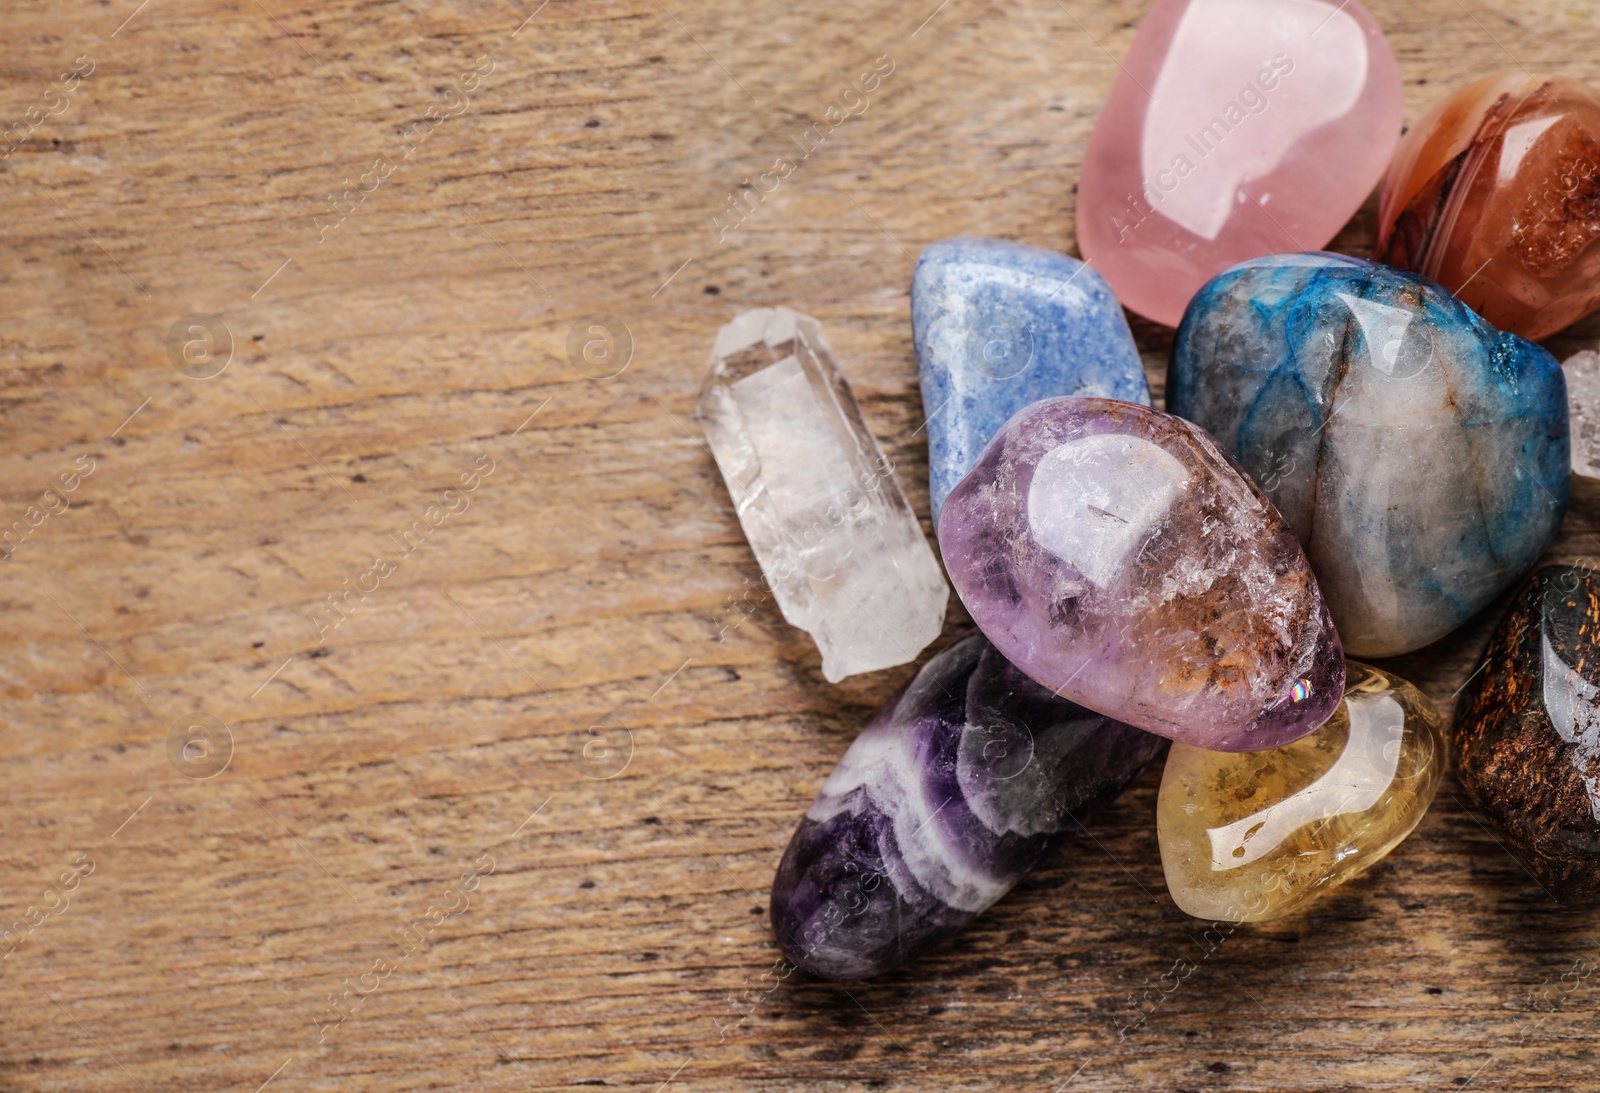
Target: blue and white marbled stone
point(1420, 455)
point(1001, 325)
point(945, 801)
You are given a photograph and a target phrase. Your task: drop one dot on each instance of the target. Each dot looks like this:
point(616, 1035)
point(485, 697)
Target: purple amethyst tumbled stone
point(945, 801)
point(1118, 557)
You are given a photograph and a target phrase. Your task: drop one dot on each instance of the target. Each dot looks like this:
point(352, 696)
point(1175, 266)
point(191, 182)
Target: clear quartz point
point(1582, 370)
point(837, 542)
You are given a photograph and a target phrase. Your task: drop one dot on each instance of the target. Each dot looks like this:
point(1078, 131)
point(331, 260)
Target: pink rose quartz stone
point(1236, 128)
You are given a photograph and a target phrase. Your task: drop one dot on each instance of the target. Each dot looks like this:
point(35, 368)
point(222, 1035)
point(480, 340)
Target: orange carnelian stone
point(1495, 194)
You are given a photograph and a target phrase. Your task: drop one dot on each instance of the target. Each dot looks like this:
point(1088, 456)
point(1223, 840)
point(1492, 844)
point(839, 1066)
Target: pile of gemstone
point(1354, 458)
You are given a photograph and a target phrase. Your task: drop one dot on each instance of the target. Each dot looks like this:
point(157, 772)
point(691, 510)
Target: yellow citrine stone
point(1250, 836)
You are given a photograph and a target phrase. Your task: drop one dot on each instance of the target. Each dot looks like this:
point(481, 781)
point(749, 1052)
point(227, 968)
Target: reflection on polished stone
point(1528, 731)
point(1236, 128)
point(1112, 553)
point(1252, 836)
point(1420, 454)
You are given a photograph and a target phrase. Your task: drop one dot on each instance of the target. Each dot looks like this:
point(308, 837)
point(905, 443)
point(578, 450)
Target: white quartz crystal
point(1583, 401)
point(837, 543)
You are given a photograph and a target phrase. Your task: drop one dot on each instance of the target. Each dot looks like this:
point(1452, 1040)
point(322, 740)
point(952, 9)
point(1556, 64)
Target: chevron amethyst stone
point(944, 802)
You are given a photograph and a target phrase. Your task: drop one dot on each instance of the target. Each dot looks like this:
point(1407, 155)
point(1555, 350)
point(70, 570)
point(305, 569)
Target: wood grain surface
point(488, 741)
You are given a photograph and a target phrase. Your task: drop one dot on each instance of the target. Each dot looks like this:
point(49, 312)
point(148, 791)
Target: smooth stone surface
point(1495, 193)
point(1419, 454)
point(944, 802)
point(1000, 325)
point(1527, 732)
point(838, 545)
point(1115, 555)
point(1582, 372)
point(1252, 836)
point(1235, 128)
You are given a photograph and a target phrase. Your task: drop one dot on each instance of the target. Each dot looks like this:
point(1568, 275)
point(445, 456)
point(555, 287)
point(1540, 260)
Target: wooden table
point(447, 606)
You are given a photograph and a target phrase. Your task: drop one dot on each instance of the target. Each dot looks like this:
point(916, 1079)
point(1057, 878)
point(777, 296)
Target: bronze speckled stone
point(1527, 737)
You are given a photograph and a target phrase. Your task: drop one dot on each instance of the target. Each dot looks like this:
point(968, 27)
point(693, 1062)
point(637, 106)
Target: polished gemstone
point(1000, 325)
point(1115, 555)
point(838, 545)
point(944, 802)
point(1495, 193)
point(1582, 371)
point(1419, 454)
point(1235, 128)
point(1251, 836)
point(1527, 732)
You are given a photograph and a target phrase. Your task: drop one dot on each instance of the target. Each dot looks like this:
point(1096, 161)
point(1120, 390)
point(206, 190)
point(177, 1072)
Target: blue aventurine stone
point(1420, 454)
point(1000, 326)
